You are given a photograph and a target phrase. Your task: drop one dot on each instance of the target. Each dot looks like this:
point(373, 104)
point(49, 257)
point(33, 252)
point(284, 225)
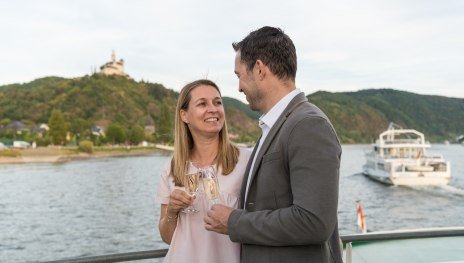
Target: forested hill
point(102, 100)
point(360, 116)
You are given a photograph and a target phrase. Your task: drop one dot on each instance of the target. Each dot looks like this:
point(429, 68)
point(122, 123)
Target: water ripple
point(95, 207)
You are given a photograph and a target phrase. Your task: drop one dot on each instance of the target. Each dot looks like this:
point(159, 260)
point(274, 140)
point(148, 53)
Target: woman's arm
point(167, 223)
point(170, 213)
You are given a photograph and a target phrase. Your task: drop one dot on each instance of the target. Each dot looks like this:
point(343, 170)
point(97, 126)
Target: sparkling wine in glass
point(191, 184)
point(211, 184)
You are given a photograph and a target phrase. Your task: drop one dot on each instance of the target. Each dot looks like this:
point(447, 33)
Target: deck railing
point(120, 257)
point(355, 238)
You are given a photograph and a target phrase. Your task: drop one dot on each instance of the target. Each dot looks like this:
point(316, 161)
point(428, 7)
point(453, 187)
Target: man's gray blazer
point(290, 213)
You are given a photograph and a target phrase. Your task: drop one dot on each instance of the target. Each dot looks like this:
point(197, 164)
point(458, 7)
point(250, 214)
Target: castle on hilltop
point(113, 67)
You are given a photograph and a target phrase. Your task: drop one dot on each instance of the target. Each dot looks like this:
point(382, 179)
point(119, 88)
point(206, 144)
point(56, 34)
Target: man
point(289, 194)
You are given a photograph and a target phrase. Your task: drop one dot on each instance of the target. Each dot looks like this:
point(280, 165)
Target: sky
point(342, 45)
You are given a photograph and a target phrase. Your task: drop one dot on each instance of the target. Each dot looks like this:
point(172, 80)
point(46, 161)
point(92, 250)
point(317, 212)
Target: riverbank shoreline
point(65, 154)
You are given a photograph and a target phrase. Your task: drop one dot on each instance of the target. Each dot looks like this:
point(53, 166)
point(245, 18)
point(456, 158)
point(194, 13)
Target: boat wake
point(445, 190)
point(453, 190)
point(355, 174)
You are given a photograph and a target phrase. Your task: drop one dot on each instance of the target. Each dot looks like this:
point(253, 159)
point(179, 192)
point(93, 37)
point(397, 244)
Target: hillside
point(360, 116)
point(102, 100)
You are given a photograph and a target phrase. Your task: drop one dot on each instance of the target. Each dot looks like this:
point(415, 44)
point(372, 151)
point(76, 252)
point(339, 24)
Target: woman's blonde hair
point(227, 156)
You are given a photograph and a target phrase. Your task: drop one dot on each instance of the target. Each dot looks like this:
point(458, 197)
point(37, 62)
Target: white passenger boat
point(399, 157)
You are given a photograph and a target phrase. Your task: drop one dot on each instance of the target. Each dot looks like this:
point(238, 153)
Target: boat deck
point(441, 249)
point(445, 244)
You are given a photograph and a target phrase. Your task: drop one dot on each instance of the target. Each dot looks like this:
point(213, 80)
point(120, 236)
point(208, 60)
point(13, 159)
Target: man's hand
point(217, 217)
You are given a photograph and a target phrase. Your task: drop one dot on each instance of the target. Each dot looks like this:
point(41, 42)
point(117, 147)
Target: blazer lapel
point(297, 100)
point(247, 172)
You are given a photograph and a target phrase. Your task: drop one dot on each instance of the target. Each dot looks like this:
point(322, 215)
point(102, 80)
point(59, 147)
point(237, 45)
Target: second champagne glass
point(191, 184)
point(211, 184)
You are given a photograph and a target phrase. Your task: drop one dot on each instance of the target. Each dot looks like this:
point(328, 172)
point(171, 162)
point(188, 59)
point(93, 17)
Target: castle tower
point(113, 67)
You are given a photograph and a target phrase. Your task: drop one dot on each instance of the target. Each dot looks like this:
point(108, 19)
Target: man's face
point(247, 84)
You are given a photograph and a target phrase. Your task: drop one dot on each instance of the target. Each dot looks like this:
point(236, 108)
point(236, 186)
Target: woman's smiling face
point(205, 112)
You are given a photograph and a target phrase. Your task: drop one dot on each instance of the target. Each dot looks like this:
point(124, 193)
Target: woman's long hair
point(227, 156)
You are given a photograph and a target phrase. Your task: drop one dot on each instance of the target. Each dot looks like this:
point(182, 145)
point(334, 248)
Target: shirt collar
point(274, 113)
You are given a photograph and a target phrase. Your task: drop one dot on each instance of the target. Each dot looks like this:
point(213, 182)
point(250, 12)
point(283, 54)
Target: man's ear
point(184, 117)
point(261, 69)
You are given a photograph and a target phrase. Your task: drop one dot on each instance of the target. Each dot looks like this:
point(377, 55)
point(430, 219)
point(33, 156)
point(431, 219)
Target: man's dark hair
point(273, 47)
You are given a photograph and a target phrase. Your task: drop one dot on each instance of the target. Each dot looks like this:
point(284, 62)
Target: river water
point(95, 207)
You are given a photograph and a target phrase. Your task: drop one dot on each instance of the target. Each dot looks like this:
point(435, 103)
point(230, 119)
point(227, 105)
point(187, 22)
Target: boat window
point(402, 154)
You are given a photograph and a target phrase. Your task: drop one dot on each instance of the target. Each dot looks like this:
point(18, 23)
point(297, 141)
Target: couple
point(278, 204)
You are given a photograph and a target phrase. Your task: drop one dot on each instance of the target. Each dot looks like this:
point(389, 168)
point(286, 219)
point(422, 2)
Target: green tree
point(81, 126)
point(137, 134)
point(4, 122)
point(165, 129)
point(58, 127)
point(115, 133)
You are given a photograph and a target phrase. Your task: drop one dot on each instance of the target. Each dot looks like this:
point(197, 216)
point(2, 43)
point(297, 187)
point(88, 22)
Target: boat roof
point(397, 137)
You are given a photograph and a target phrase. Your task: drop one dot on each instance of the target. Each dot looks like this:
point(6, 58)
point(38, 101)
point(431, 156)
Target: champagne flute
point(211, 184)
point(191, 183)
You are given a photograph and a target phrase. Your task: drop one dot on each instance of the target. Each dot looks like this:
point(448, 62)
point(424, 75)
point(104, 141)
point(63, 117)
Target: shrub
point(86, 146)
point(44, 141)
point(10, 153)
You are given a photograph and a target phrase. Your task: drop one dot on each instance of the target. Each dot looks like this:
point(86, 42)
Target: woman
point(200, 141)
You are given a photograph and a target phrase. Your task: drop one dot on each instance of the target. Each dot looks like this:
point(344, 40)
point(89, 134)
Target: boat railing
point(403, 167)
point(402, 141)
point(426, 158)
point(346, 239)
point(120, 257)
point(433, 157)
point(404, 234)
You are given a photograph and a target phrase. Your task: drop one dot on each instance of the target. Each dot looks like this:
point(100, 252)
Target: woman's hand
point(178, 200)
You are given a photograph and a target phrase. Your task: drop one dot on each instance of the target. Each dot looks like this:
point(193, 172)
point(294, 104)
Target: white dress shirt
point(266, 121)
